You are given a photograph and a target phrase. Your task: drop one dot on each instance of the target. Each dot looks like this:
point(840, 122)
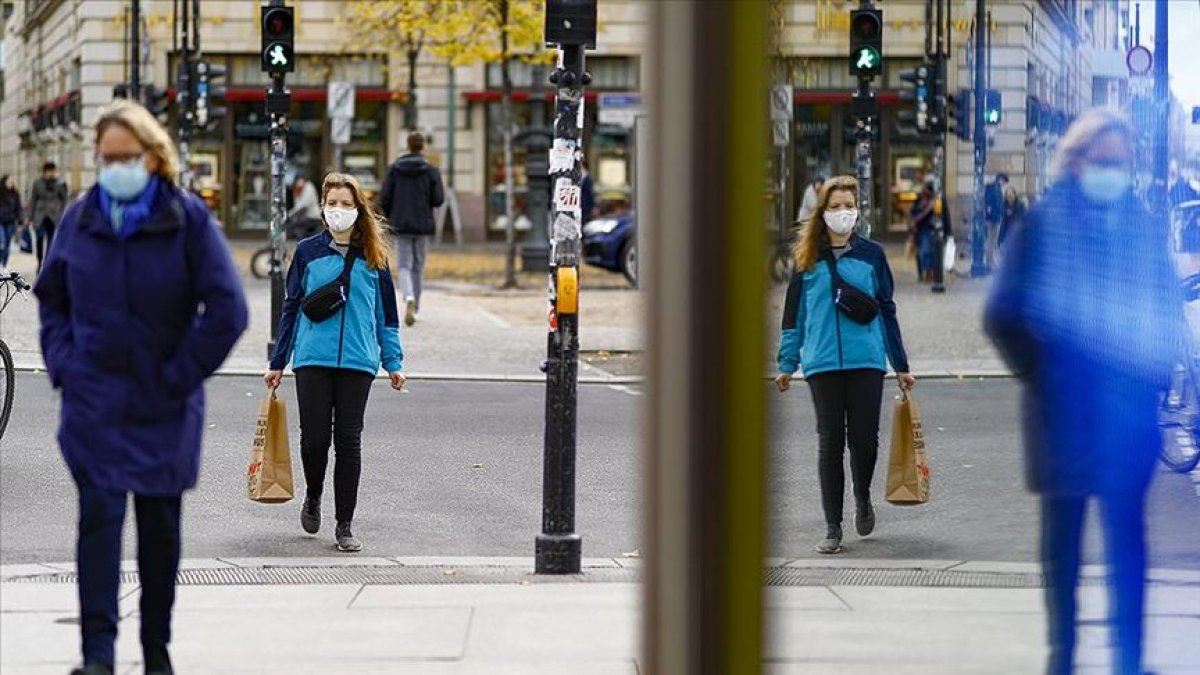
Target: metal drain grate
point(416, 575)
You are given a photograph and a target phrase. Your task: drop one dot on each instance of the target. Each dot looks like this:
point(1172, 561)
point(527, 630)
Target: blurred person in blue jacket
point(1087, 312)
point(843, 361)
point(139, 303)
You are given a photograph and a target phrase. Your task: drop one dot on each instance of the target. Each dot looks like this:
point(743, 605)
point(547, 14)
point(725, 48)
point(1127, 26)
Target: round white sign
point(1139, 60)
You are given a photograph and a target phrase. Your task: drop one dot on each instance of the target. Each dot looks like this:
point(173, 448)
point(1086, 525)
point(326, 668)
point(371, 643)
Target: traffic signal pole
point(1162, 100)
point(866, 55)
point(183, 94)
point(278, 26)
point(571, 24)
point(942, 77)
point(978, 223)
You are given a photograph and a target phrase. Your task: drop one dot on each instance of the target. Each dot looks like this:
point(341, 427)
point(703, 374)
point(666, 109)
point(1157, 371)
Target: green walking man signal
point(866, 42)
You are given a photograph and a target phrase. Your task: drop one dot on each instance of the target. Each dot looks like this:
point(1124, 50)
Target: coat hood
point(412, 165)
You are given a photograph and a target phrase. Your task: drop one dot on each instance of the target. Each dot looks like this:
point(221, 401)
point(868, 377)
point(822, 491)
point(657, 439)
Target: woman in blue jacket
point(336, 359)
point(844, 361)
point(139, 303)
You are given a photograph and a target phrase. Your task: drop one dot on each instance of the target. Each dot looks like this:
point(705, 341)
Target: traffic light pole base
point(558, 554)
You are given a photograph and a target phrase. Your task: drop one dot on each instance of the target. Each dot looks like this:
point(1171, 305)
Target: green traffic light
point(993, 117)
point(866, 59)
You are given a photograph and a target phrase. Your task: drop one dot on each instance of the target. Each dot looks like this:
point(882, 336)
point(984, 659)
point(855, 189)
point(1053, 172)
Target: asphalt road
point(454, 468)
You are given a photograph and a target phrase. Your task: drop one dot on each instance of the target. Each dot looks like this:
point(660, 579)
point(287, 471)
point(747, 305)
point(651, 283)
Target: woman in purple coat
point(139, 303)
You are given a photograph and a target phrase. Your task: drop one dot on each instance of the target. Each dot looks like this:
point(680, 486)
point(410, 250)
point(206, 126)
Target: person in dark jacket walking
point(1087, 312)
point(47, 200)
point(843, 361)
point(923, 233)
point(10, 215)
point(336, 359)
point(410, 192)
point(139, 304)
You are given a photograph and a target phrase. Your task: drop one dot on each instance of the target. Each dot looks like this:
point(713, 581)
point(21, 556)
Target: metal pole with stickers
point(571, 26)
point(278, 59)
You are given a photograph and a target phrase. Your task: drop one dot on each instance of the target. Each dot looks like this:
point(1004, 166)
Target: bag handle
point(835, 278)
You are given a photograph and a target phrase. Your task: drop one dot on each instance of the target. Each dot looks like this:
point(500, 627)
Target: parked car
point(611, 243)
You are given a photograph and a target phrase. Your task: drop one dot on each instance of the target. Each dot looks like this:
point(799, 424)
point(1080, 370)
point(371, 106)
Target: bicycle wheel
point(1179, 420)
point(8, 380)
point(260, 263)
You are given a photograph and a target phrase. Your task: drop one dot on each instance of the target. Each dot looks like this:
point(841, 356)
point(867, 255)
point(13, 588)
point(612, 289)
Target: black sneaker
point(93, 669)
point(346, 542)
point(310, 515)
point(158, 661)
point(864, 519)
point(832, 543)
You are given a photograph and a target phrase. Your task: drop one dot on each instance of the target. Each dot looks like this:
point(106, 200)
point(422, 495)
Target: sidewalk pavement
point(470, 330)
point(491, 616)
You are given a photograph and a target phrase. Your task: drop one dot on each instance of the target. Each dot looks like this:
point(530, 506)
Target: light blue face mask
point(1104, 185)
point(124, 181)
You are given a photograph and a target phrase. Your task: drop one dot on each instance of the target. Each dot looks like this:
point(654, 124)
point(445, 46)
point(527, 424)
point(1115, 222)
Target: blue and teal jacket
point(363, 335)
point(819, 338)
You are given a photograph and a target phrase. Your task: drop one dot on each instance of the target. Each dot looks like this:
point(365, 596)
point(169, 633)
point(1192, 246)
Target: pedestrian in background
point(844, 361)
point(336, 359)
point(47, 200)
point(410, 192)
point(1014, 213)
point(993, 203)
point(10, 216)
point(304, 216)
point(922, 231)
point(1087, 313)
point(139, 304)
point(808, 201)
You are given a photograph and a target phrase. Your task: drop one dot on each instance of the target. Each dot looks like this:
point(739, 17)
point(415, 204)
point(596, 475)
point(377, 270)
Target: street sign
point(340, 128)
point(781, 103)
point(619, 108)
point(341, 100)
point(1139, 60)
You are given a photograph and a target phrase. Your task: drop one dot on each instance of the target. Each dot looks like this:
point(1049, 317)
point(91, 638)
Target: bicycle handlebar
point(15, 279)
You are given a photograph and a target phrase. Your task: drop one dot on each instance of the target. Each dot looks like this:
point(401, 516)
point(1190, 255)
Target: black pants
point(1125, 543)
point(45, 237)
point(847, 404)
point(98, 556)
point(332, 402)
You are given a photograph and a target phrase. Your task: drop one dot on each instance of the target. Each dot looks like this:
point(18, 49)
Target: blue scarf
point(127, 218)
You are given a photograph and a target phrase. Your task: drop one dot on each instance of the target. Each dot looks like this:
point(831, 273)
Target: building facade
point(61, 59)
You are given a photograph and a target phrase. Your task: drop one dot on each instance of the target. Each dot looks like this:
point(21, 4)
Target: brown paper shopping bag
point(270, 472)
point(908, 469)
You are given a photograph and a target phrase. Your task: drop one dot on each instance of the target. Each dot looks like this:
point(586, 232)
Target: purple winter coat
point(130, 329)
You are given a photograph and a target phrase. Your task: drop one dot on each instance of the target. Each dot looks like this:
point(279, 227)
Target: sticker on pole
point(565, 228)
point(562, 156)
point(567, 196)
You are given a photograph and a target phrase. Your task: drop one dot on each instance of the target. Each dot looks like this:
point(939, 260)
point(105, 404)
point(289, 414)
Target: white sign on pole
point(781, 103)
point(340, 128)
point(341, 100)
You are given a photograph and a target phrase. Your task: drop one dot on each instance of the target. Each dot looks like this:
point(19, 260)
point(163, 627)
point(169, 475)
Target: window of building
point(315, 70)
point(618, 73)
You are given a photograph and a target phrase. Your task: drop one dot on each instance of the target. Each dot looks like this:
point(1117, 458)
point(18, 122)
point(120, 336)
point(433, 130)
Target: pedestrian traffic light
point(866, 42)
point(958, 114)
point(156, 100)
point(920, 94)
point(1196, 115)
point(278, 40)
point(209, 92)
point(991, 107)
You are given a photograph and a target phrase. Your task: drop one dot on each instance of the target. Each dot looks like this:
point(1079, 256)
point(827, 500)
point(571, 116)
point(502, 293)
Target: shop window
point(315, 70)
point(608, 72)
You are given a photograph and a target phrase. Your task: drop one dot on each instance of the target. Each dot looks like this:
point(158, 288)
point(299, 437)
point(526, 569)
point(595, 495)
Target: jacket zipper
point(837, 322)
point(342, 330)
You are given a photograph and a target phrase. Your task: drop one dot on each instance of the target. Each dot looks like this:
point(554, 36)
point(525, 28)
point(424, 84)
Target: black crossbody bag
point(328, 299)
point(850, 300)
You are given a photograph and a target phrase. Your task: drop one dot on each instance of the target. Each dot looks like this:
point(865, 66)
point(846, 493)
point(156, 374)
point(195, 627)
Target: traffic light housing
point(958, 114)
point(866, 42)
point(991, 108)
point(156, 100)
point(209, 91)
point(278, 39)
point(920, 93)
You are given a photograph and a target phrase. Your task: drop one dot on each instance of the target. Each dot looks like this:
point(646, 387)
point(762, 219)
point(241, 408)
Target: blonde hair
point(811, 235)
point(1082, 134)
point(368, 229)
point(138, 121)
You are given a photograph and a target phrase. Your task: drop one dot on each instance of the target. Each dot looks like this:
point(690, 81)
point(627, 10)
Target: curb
point(1161, 575)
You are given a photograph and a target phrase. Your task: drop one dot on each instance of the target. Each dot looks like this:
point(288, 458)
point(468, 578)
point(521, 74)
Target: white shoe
point(410, 311)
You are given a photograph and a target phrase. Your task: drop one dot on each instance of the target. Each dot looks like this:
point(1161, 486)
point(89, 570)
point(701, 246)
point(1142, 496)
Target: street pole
point(942, 76)
point(1162, 103)
point(135, 58)
point(865, 112)
point(558, 549)
point(183, 95)
point(278, 102)
point(978, 223)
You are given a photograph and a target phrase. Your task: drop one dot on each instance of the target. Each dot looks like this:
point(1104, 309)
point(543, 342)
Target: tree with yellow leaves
point(502, 32)
point(401, 27)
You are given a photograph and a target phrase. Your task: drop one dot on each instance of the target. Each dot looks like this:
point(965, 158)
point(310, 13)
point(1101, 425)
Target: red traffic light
point(277, 22)
point(866, 25)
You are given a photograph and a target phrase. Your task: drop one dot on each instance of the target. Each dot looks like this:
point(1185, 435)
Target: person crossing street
point(410, 192)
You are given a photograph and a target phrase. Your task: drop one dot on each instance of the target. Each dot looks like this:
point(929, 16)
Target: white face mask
point(339, 219)
point(841, 222)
